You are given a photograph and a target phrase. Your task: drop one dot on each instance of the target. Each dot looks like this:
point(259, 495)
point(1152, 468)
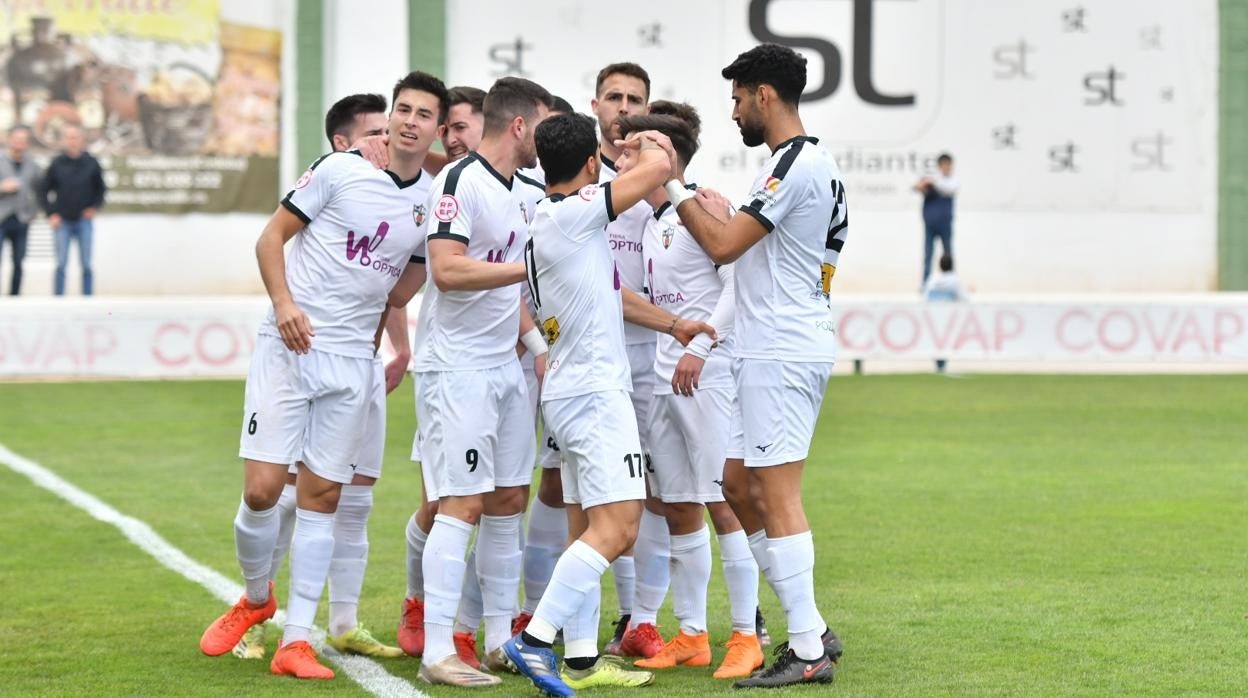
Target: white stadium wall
point(1085, 135)
point(1086, 139)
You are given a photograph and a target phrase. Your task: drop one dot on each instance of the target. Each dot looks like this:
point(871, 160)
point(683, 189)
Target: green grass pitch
point(997, 535)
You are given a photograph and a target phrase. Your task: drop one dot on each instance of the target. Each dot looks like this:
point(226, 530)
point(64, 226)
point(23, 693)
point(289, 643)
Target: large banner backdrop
point(1106, 106)
point(179, 104)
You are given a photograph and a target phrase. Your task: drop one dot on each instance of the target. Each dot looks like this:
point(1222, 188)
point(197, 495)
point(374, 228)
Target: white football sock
point(471, 605)
point(652, 553)
point(577, 574)
point(444, 578)
point(285, 528)
point(793, 575)
point(310, 551)
point(255, 534)
point(350, 558)
point(498, 566)
point(416, 539)
point(758, 548)
point(741, 578)
point(548, 533)
point(580, 636)
point(625, 575)
point(691, 575)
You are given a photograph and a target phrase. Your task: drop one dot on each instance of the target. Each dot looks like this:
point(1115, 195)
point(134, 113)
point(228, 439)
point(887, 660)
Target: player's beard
point(528, 158)
point(751, 133)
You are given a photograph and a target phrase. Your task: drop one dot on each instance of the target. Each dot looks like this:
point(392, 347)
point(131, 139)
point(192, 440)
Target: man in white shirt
point(355, 229)
point(351, 118)
point(786, 243)
point(938, 192)
point(622, 89)
point(477, 433)
point(575, 284)
point(460, 134)
point(690, 421)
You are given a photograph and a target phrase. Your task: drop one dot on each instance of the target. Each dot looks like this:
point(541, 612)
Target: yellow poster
point(180, 107)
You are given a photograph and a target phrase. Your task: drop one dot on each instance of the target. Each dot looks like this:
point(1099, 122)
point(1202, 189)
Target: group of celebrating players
point(680, 349)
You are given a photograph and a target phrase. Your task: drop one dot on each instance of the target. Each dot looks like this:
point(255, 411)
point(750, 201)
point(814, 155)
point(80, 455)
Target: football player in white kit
point(576, 286)
point(622, 89)
point(351, 118)
point(690, 419)
point(355, 228)
point(786, 243)
point(477, 443)
point(460, 134)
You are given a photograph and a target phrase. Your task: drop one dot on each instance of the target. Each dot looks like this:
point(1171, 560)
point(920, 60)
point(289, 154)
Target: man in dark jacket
point(938, 192)
point(76, 182)
point(20, 179)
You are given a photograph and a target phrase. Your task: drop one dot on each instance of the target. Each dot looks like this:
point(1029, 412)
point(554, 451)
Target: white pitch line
point(370, 675)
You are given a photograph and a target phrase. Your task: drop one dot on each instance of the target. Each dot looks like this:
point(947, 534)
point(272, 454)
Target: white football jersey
point(625, 234)
point(783, 281)
point(682, 280)
point(576, 287)
point(363, 227)
point(472, 203)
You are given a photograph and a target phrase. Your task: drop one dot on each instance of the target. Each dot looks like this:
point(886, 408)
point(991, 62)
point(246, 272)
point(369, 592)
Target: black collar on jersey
point(557, 197)
point(404, 183)
point(791, 141)
point(607, 161)
point(490, 168)
point(658, 212)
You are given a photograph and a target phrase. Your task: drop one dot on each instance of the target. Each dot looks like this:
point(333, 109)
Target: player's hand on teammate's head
point(374, 149)
point(294, 326)
point(714, 203)
point(685, 330)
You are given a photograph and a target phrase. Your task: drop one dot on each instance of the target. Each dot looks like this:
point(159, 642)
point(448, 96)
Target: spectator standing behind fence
point(943, 287)
point(20, 179)
point(938, 191)
point(73, 191)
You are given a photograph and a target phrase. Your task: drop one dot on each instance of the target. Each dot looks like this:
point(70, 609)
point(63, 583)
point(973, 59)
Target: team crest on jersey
point(668, 232)
point(524, 211)
point(418, 214)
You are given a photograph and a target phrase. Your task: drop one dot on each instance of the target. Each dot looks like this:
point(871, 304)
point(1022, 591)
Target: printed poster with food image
point(179, 104)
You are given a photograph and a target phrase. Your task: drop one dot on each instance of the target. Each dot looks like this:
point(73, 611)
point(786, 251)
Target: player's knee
point(737, 492)
point(723, 518)
point(506, 501)
point(550, 488)
point(262, 496)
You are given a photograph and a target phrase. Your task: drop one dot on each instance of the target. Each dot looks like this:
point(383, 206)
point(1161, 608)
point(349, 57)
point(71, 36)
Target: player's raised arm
point(655, 165)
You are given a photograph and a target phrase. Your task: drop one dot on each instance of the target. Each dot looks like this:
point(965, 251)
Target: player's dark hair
point(339, 118)
point(418, 80)
point(684, 135)
point(474, 97)
point(946, 262)
point(630, 69)
point(770, 64)
point(512, 97)
point(680, 110)
point(564, 143)
point(943, 158)
point(562, 105)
